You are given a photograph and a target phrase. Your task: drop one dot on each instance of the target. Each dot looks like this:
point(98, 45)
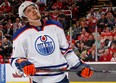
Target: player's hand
point(27, 67)
point(84, 70)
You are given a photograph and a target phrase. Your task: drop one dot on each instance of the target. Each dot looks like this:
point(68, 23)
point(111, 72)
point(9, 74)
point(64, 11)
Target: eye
point(28, 11)
point(34, 7)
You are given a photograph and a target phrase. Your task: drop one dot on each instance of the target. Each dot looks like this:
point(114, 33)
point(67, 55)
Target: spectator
point(98, 38)
point(84, 35)
point(113, 57)
point(77, 30)
point(9, 27)
point(74, 10)
point(2, 18)
point(110, 9)
point(54, 15)
point(109, 41)
point(17, 25)
point(46, 16)
point(110, 19)
point(90, 41)
point(62, 19)
point(106, 56)
point(81, 40)
point(5, 6)
point(101, 49)
point(92, 22)
point(7, 48)
point(92, 56)
point(91, 49)
point(84, 56)
point(105, 35)
point(113, 47)
point(98, 13)
point(74, 48)
point(11, 16)
point(84, 24)
point(102, 22)
point(4, 29)
point(90, 13)
point(65, 4)
point(81, 48)
point(1, 59)
point(57, 5)
point(1, 49)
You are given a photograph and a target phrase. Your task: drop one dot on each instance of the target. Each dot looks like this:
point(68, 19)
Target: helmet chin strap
point(30, 20)
point(36, 23)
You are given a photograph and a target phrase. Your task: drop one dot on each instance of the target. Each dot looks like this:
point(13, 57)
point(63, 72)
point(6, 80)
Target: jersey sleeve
point(19, 51)
point(66, 49)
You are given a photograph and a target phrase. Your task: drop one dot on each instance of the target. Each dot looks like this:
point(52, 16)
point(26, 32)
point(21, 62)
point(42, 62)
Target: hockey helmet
point(23, 6)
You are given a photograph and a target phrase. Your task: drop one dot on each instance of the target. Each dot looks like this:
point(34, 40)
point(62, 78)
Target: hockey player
point(43, 45)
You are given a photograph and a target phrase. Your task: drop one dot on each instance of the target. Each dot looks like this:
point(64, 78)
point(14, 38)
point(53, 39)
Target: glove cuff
point(21, 63)
point(21, 60)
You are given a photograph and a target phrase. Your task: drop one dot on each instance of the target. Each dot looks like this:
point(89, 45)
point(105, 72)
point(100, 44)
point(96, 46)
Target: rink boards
point(11, 77)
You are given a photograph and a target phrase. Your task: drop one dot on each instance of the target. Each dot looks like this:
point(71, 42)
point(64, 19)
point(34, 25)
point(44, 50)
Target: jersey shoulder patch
point(53, 22)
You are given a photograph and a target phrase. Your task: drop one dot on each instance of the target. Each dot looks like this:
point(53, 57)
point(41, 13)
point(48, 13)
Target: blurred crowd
point(93, 30)
point(95, 34)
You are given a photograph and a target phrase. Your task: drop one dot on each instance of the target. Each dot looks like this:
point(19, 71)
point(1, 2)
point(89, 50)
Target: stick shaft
point(73, 70)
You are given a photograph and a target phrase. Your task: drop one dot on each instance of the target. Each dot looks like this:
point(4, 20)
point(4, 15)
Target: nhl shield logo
point(44, 45)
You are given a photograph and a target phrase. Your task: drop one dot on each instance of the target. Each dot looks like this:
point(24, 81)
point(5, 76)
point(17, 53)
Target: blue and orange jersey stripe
point(53, 22)
point(20, 31)
point(23, 29)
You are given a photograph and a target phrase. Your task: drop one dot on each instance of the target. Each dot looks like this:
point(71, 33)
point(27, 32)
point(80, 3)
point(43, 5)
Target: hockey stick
point(105, 71)
point(72, 70)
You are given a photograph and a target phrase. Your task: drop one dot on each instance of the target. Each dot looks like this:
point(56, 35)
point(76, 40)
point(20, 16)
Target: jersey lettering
point(44, 45)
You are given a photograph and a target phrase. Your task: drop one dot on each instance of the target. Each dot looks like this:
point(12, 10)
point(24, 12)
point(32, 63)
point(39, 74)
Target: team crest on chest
point(44, 45)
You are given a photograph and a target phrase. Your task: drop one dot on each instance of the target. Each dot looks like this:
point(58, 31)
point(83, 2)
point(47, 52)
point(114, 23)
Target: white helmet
point(23, 6)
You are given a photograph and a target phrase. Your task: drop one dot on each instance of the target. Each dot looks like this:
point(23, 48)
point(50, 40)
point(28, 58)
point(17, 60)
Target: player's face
point(32, 12)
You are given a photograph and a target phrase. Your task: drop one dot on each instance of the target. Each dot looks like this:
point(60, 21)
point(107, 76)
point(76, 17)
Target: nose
point(34, 11)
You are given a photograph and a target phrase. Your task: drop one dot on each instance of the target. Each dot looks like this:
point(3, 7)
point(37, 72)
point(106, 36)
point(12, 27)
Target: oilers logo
point(44, 45)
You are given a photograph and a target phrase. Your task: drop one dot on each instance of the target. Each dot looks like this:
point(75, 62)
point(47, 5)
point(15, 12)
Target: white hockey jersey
point(45, 47)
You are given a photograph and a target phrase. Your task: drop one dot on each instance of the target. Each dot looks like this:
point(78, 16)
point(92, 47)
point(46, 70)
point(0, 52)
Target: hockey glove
point(84, 70)
point(27, 67)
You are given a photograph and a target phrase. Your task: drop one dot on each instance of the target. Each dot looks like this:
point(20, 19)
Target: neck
point(35, 23)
